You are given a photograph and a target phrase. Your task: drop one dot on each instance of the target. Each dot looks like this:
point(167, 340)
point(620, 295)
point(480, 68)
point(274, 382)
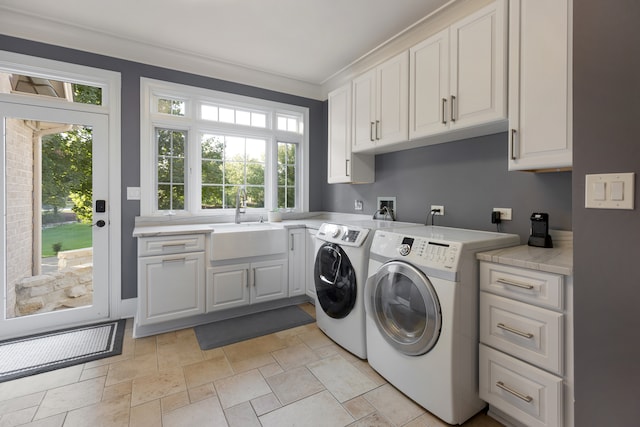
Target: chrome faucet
point(241, 206)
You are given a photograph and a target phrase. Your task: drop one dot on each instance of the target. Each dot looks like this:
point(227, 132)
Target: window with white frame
point(201, 147)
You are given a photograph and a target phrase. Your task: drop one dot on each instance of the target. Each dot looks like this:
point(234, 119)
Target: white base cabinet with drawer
point(236, 285)
point(526, 352)
point(171, 281)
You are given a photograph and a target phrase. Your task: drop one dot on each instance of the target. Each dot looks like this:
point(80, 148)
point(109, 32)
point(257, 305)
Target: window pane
point(259, 120)
point(212, 197)
point(256, 150)
point(255, 197)
point(282, 174)
point(234, 173)
point(227, 115)
point(170, 169)
point(255, 173)
point(178, 170)
point(164, 197)
point(291, 198)
point(243, 118)
point(171, 106)
point(281, 197)
point(234, 148)
point(212, 147)
point(282, 123)
point(291, 175)
point(209, 112)
point(292, 125)
point(177, 201)
point(212, 172)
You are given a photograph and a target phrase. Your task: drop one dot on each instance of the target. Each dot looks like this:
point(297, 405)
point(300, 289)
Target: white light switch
point(609, 191)
point(133, 193)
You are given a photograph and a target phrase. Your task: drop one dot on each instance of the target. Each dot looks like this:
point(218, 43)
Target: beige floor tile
point(315, 339)
point(427, 420)
point(309, 308)
point(271, 370)
point(117, 390)
point(393, 405)
point(70, 397)
point(341, 378)
point(207, 371)
point(319, 410)
point(130, 369)
point(18, 417)
point(157, 385)
point(253, 363)
point(146, 415)
point(359, 407)
point(373, 420)
point(267, 403)
point(174, 401)
point(242, 416)
point(206, 413)
point(41, 382)
point(241, 388)
point(53, 421)
point(181, 353)
point(19, 403)
point(214, 353)
point(366, 369)
point(482, 420)
point(99, 371)
point(295, 384)
point(202, 392)
point(144, 346)
point(254, 347)
point(294, 356)
point(111, 413)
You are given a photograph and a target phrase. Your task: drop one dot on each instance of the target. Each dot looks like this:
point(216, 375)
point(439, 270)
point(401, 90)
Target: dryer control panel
point(420, 251)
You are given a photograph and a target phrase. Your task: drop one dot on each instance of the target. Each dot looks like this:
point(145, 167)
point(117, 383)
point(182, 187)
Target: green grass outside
point(72, 236)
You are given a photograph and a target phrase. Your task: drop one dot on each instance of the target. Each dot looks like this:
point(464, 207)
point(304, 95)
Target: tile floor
point(296, 377)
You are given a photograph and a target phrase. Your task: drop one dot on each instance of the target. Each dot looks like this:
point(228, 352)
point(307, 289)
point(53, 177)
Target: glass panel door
point(55, 218)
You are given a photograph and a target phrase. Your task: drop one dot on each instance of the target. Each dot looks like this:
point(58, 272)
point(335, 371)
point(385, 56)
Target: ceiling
point(305, 40)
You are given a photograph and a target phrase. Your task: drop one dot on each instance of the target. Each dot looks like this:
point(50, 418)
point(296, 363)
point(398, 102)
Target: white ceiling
point(305, 40)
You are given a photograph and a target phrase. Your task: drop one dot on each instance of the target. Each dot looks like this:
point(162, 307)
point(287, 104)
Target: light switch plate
point(133, 193)
point(610, 191)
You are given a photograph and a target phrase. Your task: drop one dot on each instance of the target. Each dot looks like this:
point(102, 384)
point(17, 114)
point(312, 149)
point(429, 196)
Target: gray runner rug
point(24, 356)
point(229, 331)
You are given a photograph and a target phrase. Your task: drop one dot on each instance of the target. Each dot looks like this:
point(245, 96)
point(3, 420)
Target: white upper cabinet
point(343, 165)
point(540, 105)
point(458, 77)
point(381, 105)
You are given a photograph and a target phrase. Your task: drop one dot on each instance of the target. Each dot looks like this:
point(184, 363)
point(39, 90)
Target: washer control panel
point(346, 235)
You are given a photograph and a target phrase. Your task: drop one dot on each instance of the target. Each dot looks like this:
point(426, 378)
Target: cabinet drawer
point(531, 286)
point(163, 245)
point(530, 333)
point(522, 391)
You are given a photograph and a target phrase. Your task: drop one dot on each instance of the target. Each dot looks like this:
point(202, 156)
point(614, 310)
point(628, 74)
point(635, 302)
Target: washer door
point(335, 281)
point(405, 308)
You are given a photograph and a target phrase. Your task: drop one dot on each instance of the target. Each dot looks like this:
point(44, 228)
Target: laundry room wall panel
point(468, 177)
point(130, 128)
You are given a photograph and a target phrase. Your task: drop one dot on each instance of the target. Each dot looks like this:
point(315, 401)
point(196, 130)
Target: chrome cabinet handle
point(516, 284)
point(377, 129)
point(346, 167)
point(453, 101)
point(371, 131)
point(291, 238)
point(246, 272)
point(527, 335)
point(444, 111)
point(517, 394)
point(166, 261)
point(513, 144)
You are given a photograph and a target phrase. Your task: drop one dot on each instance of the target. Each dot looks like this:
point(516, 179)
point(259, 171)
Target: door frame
point(110, 82)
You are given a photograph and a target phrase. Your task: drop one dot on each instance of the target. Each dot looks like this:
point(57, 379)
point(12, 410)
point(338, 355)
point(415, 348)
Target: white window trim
point(110, 83)
point(150, 89)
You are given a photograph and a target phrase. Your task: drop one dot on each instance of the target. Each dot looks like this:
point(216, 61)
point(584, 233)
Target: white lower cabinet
point(311, 263)
point(297, 261)
point(525, 356)
point(171, 282)
point(236, 285)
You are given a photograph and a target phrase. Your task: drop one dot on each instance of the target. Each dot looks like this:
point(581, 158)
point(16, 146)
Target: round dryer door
point(335, 281)
point(405, 308)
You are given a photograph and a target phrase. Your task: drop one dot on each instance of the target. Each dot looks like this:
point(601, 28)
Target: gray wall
point(606, 83)
point(130, 74)
point(469, 178)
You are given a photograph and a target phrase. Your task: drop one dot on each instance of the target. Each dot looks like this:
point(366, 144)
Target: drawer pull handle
point(517, 394)
point(183, 259)
point(173, 245)
point(516, 284)
point(527, 335)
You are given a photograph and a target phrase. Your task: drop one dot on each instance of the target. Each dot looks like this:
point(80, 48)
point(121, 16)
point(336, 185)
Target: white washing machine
point(340, 272)
point(421, 302)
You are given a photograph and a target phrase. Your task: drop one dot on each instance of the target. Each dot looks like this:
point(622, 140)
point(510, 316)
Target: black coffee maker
point(540, 231)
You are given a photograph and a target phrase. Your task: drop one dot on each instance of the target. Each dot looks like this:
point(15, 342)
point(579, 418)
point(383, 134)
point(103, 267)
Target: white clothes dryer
point(421, 303)
point(340, 272)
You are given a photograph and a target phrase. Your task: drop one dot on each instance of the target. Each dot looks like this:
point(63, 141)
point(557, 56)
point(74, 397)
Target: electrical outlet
point(358, 205)
point(438, 207)
point(505, 213)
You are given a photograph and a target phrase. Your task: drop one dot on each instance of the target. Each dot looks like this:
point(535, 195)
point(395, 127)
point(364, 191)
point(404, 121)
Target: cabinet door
point(478, 67)
point(339, 168)
point(429, 86)
point(392, 100)
point(170, 287)
point(268, 280)
point(540, 107)
point(364, 111)
point(227, 286)
point(297, 261)
point(311, 262)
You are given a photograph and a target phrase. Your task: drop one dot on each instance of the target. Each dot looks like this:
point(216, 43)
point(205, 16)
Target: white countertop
point(558, 259)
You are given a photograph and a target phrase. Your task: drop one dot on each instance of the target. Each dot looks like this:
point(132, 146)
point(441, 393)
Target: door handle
point(513, 144)
point(444, 111)
point(100, 223)
point(453, 101)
